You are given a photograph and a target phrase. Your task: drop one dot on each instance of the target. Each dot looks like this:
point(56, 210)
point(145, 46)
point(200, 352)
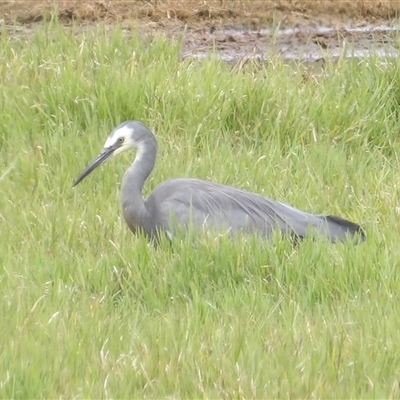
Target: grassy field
point(90, 311)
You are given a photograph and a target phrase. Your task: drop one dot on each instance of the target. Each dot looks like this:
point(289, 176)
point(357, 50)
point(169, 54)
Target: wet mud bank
point(301, 43)
point(304, 43)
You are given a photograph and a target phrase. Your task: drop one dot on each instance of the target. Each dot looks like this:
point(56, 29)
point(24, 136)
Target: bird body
point(178, 204)
point(214, 207)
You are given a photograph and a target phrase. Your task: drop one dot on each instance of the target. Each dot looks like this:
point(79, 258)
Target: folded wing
point(214, 206)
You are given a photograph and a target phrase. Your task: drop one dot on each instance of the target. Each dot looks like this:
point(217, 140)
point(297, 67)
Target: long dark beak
point(100, 159)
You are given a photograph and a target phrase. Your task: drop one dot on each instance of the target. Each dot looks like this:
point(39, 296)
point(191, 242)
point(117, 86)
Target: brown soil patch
point(196, 13)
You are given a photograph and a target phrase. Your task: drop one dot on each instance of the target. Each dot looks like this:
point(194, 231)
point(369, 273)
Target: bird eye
point(121, 139)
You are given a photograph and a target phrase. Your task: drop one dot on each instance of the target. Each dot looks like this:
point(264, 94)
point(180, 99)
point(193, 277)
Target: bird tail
point(340, 229)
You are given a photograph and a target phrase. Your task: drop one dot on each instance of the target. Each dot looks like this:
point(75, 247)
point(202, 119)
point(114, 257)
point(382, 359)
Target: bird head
point(126, 136)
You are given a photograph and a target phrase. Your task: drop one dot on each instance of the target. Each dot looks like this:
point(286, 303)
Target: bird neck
point(138, 172)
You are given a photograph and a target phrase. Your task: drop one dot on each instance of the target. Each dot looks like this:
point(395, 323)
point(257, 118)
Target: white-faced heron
point(184, 202)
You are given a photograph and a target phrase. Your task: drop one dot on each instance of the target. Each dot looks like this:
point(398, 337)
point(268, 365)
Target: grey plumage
point(184, 202)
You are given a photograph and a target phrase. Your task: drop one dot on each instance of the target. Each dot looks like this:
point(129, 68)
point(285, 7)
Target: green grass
point(90, 311)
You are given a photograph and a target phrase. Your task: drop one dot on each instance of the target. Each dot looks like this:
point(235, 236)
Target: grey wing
point(218, 207)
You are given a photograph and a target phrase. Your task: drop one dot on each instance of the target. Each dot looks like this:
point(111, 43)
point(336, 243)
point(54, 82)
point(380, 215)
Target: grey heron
point(182, 202)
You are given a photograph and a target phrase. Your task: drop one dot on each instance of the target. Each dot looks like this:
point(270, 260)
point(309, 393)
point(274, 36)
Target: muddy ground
point(302, 42)
point(237, 30)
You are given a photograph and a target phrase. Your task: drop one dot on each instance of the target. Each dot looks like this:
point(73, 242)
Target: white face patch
point(121, 132)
